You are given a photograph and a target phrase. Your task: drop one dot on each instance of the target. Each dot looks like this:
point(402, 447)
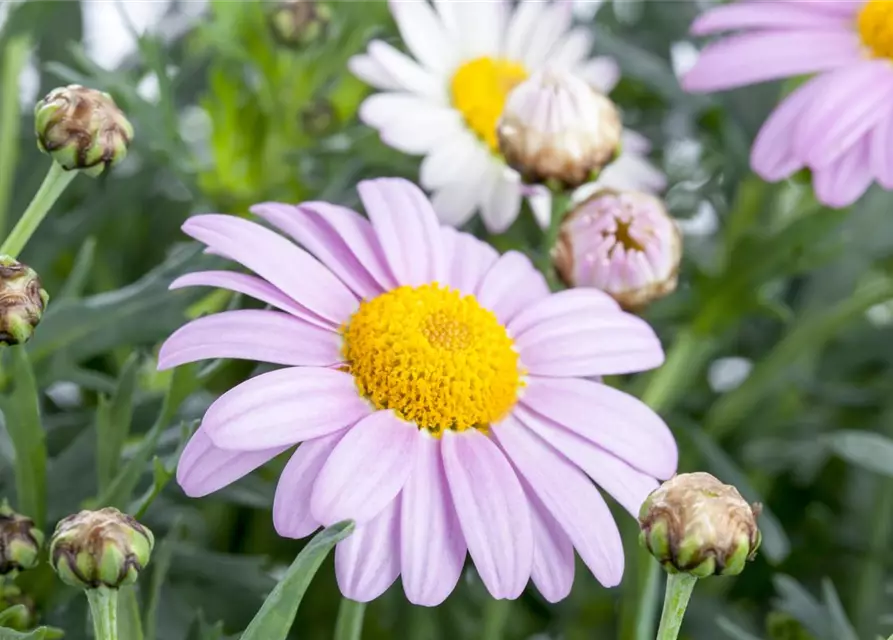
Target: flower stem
point(560, 203)
point(57, 179)
point(14, 57)
point(104, 611)
point(350, 620)
point(496, 616)
point(679, 588)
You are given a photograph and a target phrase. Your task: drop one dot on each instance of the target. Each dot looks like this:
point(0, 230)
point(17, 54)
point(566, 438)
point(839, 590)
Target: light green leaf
point(18, 611)
point(41, 633)
point(113, 424)
point(277, 614)
point(843, 629)
point(733, 630)
point(871, 451)
point(80, 272)
point(21, 411)
point(12, 63)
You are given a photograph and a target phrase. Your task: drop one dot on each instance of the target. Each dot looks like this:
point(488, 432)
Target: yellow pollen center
point(876, 27)
point(435, 357)
point(480, 88)
point(623, 237)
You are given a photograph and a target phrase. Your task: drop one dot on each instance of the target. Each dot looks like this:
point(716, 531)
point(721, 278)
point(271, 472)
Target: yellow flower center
point(876, 27)
point(479, 89)
point(435, 357)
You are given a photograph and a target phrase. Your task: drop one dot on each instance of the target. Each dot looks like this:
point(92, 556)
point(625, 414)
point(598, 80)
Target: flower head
point(445, 102)
point(104, 548)
point(20, 541)
point(557, 128)
point(695, 524)
point(298, 23)
point(442, 396)
point(82, 128)
point(838, 124)
point(22, 301)
point(624, 243)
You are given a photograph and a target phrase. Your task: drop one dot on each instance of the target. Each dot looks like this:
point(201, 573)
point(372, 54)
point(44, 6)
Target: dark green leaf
point(871, 451)
point(113, 424)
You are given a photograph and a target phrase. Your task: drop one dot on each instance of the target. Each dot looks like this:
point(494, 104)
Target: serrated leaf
point(871, 451)
point(275, 618)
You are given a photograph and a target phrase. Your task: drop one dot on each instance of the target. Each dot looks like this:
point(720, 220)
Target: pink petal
point(773, 156)
point(628, 486)
point(493, 511)
point(844, 182)
point(277, 260)
point(613, 420)
point(291, 505)
point(284, 407)
point(836, 121)
point(511, 285)
point(583, 301)
point(368, 561)
point(470, 261)
point(570, 498)
point(837, 7)
point(251, 334)
point(366, 470)
point(431, 542)
point(602, 73)
point(881, 155)
point(749, 58)
point(590, 345)
point(553, 554)
point(766, 16)
point(407, 229)
point(257, 288)
point(204, 468)
point(324, 242)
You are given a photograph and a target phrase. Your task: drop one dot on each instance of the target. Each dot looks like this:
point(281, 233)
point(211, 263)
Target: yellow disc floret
point(876, 27)
point(479, 89)
point(435, 357)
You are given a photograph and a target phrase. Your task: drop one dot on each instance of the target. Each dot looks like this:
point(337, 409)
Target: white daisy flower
point(445, 103)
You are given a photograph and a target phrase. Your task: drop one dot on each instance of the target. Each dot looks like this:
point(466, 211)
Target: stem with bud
point(679, 588)
point(56, 181)
point(104, 611)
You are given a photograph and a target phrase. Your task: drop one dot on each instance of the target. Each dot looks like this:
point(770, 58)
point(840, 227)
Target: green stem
point(104, 611)
point(350, 620)
point(679, 588)
point(560, 203)
point(54, 184)
point(496, 616)
point(14, 57)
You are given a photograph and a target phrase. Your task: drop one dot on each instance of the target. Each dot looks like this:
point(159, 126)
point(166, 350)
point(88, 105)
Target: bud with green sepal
point(20, 541)
point(696, 526)
point(82, 129)
point(300, 23)
point(22, 301)
point(101, 551)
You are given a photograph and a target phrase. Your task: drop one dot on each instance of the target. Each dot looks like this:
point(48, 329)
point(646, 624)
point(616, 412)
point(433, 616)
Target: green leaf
point(733, 630)
point(161, 475)
point(41, 633)
point(161, 564)
point(842, 628)
point(12, 63)
point(129, 624)
point(18, 611)
point(21, 411)
point(80, 272)
point(113, 424)
point(871, 451)
point(277, 614)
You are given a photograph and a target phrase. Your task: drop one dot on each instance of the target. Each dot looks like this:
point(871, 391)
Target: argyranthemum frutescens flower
point(839, 124)
point(445, 103)
point(439, 391)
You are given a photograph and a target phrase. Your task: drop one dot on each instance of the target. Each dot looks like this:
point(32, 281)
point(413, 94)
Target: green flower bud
point(298, 23)
point(20, 541)
point(22, 301)
point(104, 548)
point(695, 524)
point(17, 611)
point(82, 129)
point(319, 117)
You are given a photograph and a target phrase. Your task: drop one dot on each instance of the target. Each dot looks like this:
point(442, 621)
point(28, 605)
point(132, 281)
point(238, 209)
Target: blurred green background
point(786, 305)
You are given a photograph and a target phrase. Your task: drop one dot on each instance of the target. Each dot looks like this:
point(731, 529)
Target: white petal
point(371, 72)
point(407, 72)
point(424, 35)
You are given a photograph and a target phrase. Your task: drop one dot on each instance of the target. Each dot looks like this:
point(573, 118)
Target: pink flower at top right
point(839, 123)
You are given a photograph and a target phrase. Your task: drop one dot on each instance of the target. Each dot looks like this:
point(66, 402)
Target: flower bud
point(695, 524)
point(624, 243)
point(82, 129)
point(20, 541)
point(557, 128)
point(22, 301)
point(319, 117)
point(19, 611)
point(104, 548)
point(299, 23)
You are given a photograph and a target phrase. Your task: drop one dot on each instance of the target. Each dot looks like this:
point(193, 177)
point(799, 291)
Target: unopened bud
point(556, 128)
point(319, 117)
point(104, 548)
point(20, 541)
point(623, 243)
point(299, 23)
point(82, 129)
point(22, 301)
point(695, 524)
point(18, 611)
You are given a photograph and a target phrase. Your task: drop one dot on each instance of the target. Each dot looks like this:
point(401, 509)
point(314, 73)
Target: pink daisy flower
point(839, 124)
point(439, 392)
